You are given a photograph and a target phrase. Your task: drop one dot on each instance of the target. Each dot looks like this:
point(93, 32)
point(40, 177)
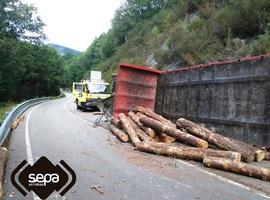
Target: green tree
point(19, 20)
point(28, 68)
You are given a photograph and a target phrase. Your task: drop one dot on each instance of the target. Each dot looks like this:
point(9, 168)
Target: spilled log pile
point(152, 133)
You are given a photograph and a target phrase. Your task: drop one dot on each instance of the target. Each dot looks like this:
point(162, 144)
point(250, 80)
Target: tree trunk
point(3, 160)
point(17, 121)
point(230, 155)
point(159, 137)
point(164, 138)
point(215, 139)
point(154, 115)
point(175, 133)
point(236, 167)
point(189, 153)
point(151, 132)
point(141, 134)
point(126, 122)
point(259, 154)
point(119, 133)
point(118, 123)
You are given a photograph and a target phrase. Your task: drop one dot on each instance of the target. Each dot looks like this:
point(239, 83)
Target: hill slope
point(64, 50)
point(174, 33)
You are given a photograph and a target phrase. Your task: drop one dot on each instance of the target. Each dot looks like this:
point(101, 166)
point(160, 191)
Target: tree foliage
point(19, 21)
point(165, 33)
point(28, 68)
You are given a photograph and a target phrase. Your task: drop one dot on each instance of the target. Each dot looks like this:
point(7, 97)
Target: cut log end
point(119, 133)
point(222, 142)
point(259, 155)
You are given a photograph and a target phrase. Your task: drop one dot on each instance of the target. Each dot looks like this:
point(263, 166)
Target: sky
point(75, 23)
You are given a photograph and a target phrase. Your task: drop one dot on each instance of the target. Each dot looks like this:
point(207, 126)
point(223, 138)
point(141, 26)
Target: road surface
point(58, 131)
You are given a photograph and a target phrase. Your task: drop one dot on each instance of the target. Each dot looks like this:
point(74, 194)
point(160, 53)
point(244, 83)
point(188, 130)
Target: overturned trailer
point(232, 97)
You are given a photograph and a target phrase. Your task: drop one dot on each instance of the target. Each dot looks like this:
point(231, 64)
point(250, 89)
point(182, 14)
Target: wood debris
point(98, 189)
point(152, 133)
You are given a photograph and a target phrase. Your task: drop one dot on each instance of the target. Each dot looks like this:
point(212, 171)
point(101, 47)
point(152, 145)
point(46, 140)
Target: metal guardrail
point(16, 112)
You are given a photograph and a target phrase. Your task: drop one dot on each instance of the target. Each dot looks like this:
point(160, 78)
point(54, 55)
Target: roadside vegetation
point(28, 68)
point(163, 34)
point(175, 33)
point(5, 107)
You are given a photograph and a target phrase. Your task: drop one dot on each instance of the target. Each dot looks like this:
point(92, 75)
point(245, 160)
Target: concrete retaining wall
point(231, 97)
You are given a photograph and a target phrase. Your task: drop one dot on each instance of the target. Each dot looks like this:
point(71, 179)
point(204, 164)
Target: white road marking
point(226, 180)
point(27, 140)
point(31, 161)
point(194, 166)
point(82, 119)
point(30, 158)
point(179, 183)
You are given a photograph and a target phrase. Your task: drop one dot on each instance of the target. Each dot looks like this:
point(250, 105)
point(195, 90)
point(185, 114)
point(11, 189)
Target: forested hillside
point(63, 51)
point(164, 34)
point(174, 33)
point(28, 68)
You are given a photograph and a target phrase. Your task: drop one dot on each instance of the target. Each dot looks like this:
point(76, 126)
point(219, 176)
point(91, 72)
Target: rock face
point(150, 60)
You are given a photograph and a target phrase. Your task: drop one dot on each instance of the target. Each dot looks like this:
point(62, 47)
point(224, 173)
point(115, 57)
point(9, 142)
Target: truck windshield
point(97, 88)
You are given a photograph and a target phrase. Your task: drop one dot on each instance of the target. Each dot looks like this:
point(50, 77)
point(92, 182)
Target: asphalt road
point(60, 132)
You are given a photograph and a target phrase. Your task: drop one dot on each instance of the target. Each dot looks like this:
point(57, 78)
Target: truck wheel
point(78, 107)
point(84, 109)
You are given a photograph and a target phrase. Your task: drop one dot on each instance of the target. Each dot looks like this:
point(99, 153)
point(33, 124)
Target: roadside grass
point(5, 107)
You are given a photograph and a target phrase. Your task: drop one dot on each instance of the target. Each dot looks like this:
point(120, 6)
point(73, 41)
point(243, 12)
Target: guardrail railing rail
point(16, 112)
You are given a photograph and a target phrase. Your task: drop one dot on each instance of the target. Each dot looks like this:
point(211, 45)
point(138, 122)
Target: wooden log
point(164, 138)
point(119, 133)
point(169, 151)
point(189, 153)
point(215, 139)
point(3, 160)
point(151, 132)
point(14, 124)
point(117, 123)
point(259, 154)
point(141, 134)
point(237, 167)
point(126, 122)
point(231, 155)
point(160, 137)
point(17, 121)
point(175, 133)
point(154, 115)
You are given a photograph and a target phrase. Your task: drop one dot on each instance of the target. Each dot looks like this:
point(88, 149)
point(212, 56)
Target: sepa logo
point(43, 178)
